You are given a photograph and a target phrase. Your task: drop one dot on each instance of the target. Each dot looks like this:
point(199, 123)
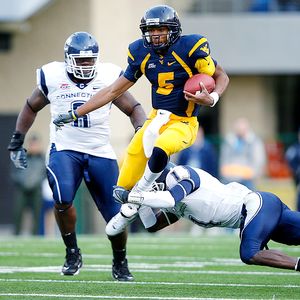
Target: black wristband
point(16, 141)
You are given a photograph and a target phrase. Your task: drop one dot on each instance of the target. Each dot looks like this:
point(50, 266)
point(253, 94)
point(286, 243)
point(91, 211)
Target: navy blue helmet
point(81, 55)
point(159, 16)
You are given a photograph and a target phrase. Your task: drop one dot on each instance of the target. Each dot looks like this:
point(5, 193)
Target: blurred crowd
point(275, 5)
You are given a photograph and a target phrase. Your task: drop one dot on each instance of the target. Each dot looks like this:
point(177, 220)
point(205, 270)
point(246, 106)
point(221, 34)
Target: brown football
point(192, 85)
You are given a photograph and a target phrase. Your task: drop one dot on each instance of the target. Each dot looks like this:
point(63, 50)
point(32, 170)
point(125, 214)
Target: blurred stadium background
point(255, 41)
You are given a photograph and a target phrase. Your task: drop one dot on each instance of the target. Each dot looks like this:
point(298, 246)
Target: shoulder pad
point(197, 45)
point(137, 51)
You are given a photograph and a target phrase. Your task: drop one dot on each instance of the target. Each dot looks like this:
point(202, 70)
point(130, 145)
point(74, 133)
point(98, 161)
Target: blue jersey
point(168, 73)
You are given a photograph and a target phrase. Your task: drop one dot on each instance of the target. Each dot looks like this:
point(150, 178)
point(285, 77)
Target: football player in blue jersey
point(82, 151)
point(167, 59)
point(195, 195)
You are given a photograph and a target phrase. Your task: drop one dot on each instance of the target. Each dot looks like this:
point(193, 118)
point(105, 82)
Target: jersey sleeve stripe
point(201, 41)
point(43, 83)
point(130, 55)
point(143, 64)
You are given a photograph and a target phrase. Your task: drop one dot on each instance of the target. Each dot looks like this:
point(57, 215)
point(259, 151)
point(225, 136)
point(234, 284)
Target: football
point(192, 85)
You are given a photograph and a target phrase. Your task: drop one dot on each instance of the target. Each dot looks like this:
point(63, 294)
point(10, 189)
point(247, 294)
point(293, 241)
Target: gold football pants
point(176, 135)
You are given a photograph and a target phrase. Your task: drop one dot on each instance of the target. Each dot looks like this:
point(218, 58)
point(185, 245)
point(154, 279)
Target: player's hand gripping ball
point(192, 85)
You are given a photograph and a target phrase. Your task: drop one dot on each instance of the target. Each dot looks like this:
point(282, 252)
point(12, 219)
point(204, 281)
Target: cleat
point(121, 272)
point(120, 194)
point(73, 262)
point(121, 220)
point(129, 210)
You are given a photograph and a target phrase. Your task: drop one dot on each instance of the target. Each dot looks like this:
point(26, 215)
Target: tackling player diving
point(194, 194)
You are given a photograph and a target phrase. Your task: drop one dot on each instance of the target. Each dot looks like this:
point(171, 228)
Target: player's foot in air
point(73, 262)
point(128, 213)
point(120, 271)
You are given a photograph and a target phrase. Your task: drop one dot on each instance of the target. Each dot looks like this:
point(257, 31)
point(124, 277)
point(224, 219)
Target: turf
point(165, 266)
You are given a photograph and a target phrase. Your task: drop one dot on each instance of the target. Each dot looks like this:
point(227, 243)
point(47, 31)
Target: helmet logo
point(84, 52)
point(152, 21)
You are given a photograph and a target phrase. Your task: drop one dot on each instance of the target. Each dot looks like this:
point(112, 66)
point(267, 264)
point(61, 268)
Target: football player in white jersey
point(195, 195)
point(82, 151)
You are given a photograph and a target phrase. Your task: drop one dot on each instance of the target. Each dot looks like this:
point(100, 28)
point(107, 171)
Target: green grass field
point(165, 266)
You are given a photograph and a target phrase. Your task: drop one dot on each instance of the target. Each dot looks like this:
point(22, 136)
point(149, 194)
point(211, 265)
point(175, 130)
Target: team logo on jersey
point(152, 66)
point(205, 49)
point(64, 86)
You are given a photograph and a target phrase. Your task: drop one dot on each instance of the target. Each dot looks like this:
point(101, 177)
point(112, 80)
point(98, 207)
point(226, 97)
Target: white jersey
point(213, 203)
point(91, 133)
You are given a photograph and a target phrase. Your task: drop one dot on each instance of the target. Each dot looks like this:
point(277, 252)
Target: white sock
point(147, 179)
point(147, 216)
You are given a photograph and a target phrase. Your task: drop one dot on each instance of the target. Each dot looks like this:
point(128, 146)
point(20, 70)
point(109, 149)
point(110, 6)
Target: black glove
point(17, 152)
point(62, 119)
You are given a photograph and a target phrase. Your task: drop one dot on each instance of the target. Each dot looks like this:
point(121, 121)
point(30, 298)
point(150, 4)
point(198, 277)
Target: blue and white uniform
point(195, 195)
point(82, 150)
point(261, 216)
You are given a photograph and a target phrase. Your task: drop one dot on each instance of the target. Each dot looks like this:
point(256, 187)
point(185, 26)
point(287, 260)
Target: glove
point(62, 119)
point(17, 152)
point(120, 194)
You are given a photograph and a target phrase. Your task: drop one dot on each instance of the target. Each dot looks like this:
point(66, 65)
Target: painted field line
point(108, 256)
point(144, 269)
point(154, 283)
point(115, 297)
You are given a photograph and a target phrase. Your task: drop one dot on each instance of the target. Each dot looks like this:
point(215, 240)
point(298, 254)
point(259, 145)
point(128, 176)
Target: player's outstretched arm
point(275, 259)
point(132, 108)
point(105, 95)
point(101, 98)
